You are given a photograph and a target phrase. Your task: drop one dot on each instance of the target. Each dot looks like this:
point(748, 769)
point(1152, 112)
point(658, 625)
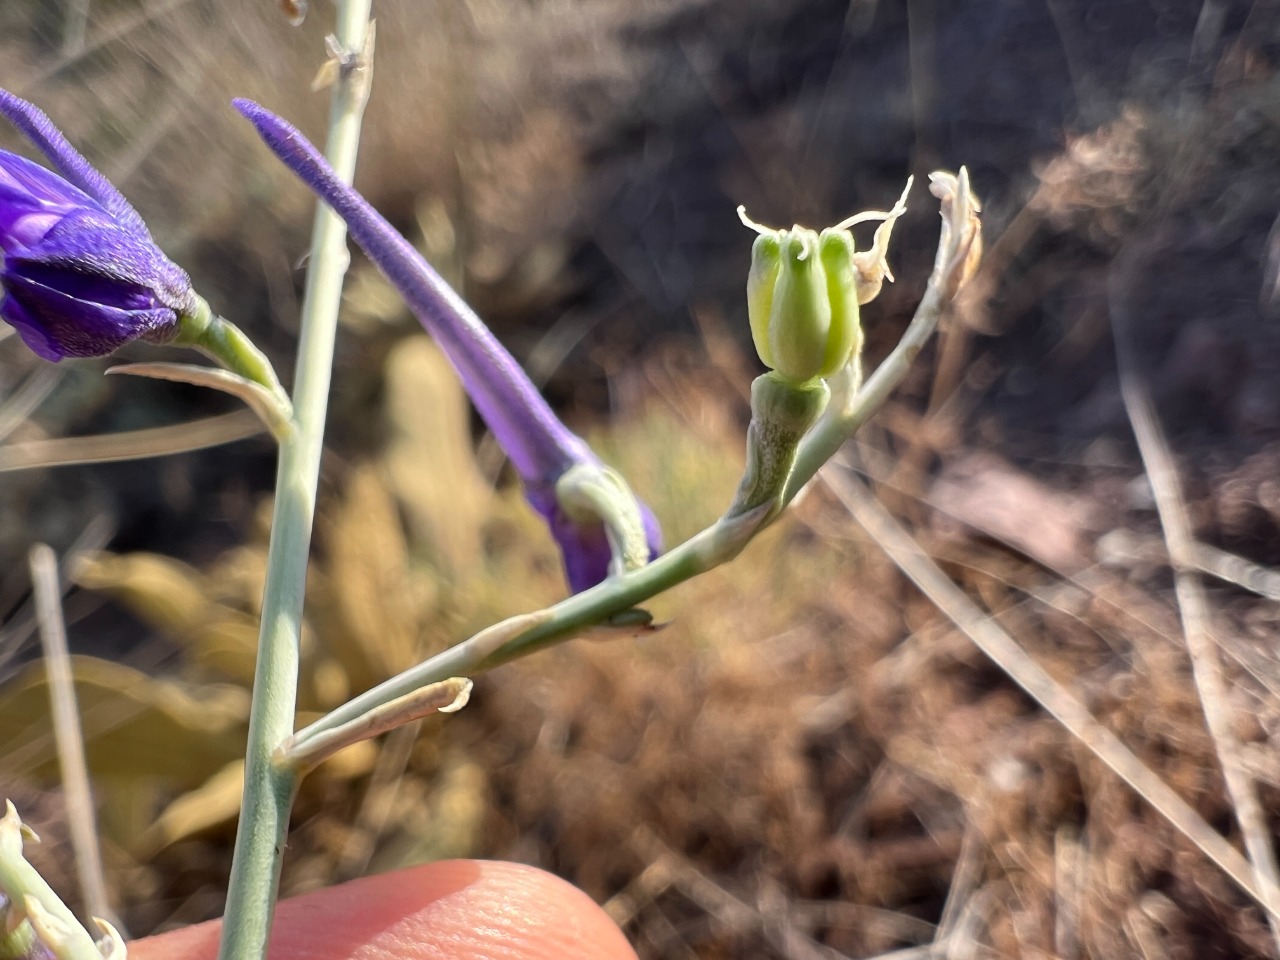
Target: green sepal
point(835, 251)
point(594, 493)
point(225, 343)
point(801, 319)
point(782, 411)
point(766, 262)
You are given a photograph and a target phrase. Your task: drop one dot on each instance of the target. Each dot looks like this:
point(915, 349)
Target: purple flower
point(542, 449)
point(79, 271)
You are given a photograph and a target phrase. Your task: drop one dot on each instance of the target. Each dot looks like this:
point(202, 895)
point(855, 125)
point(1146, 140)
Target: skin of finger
point(457, 909)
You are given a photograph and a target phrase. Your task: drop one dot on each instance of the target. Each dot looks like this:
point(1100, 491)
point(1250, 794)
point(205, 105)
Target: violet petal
point(80, 273)
point(48, 139)
point(535, 440)
point(80, 328)
point(539, 445)
point(91, 245)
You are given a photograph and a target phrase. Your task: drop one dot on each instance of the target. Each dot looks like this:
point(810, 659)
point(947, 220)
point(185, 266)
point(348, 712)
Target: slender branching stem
point(528, 633)
point(270, 787)
point(714, 546)
point(610, 604)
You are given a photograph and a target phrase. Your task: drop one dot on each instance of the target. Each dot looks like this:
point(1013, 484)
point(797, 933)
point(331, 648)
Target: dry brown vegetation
point(809, 760)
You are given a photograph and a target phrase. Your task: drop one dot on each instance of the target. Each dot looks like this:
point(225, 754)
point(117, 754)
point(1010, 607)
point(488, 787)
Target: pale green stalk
point(611, 604)
point(527, 633)
point(712, 547)
point(270, 786)
point(852, 403)
point(28, 892)
point(226, 343)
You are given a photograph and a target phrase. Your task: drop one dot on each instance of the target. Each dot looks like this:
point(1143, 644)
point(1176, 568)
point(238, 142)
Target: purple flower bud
point(539, 445)
point(79, 271)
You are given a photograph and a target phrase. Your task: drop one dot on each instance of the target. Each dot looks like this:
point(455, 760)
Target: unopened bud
point(804, 290)
point(803, 302)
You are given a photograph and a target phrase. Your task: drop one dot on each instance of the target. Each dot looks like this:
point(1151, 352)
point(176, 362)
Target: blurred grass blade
point(1056, 699)
point(29, 395)
point(430, 464)
point(82, 820)
point(180, 602)
point(1193, 606)
point(254, 395)
point(214, 802)
point(135, 725)
point(377, 612)
point(131, 444)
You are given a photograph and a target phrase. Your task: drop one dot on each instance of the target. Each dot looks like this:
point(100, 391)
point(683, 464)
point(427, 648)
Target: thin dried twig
point(1068, 871)
point(131, 444)
point(81, 819)
point(963, 943)
point(647, 886)
point(21, 624)
point(1236, 569)
point(1193, 606)
point(964, 883)
point(1027, 673)
point(783, 934)
point(1124, 547)
point(30, 394)
point(1206, 667)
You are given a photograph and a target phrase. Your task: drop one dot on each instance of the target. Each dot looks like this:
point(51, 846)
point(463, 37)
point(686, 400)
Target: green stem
point(756, 506)
point(853, 406)
point(526, 634)
point(712, 547)
point(221, 340)
point(270, 787)
point(19, 882)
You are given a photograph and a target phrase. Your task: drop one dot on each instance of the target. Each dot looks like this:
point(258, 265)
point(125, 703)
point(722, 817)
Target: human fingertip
point(456, 909)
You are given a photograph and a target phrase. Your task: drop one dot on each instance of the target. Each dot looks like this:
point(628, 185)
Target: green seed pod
point(802, 301)
point(766, 263)
point(804, 289)
point(835, 251)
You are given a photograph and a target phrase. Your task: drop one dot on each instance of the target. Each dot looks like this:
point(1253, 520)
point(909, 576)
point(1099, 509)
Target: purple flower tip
point(539, 445)
point(79, 271)
point(584, 547)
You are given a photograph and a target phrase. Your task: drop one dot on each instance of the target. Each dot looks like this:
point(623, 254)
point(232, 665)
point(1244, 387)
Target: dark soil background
point(574, 169)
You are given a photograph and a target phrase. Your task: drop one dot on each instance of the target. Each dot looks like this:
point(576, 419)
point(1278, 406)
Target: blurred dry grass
point(808, 761)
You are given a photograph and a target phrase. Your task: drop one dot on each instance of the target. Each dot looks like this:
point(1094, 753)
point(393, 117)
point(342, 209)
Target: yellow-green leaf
point(135, 725)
